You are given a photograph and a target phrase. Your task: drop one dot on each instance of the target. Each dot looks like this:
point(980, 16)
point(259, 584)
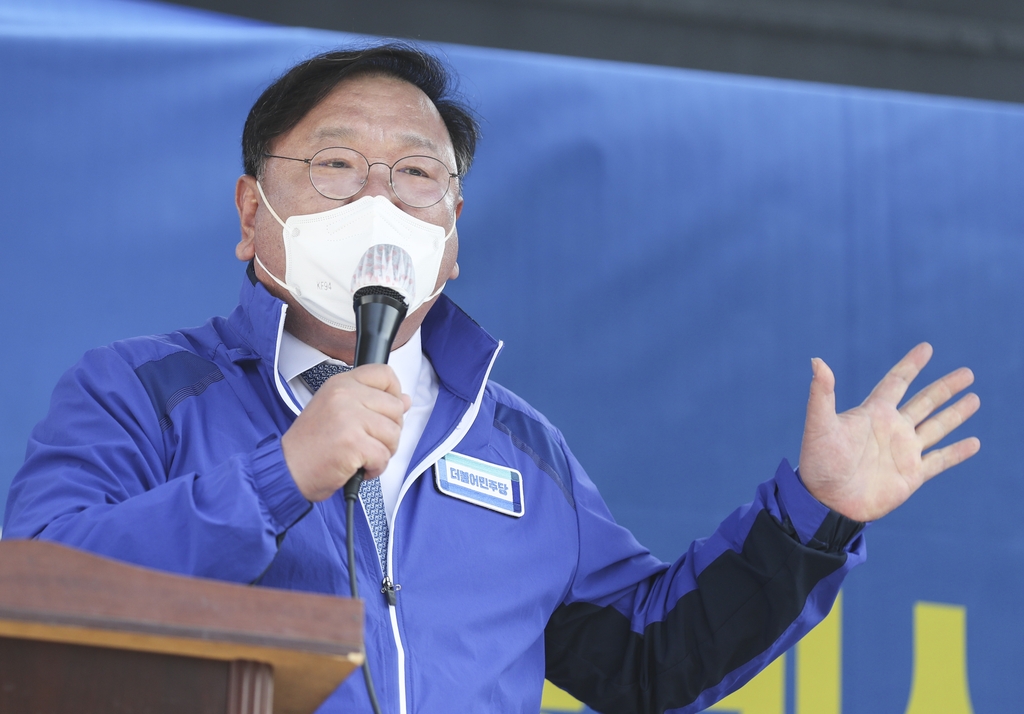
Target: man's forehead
point(328, 134)
point(379, 108)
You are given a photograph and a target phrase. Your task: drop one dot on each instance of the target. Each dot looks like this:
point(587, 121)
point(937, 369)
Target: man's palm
point(867, 461)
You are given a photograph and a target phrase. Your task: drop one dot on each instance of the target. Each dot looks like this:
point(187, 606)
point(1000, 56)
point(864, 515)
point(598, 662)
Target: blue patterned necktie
point(369, 491)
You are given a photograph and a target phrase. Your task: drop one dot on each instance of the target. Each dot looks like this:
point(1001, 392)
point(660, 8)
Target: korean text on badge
point(498, 488)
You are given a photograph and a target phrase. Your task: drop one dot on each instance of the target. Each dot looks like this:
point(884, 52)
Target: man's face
point(383, 118)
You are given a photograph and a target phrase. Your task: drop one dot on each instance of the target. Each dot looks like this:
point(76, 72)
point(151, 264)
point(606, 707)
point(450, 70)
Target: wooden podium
point(81, 634)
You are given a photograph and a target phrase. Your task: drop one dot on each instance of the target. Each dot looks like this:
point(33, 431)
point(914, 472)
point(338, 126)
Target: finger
point(378, 376)
point(384, 431)
point(939, 426)
point(341, 392)
point(369, 447)
point(821, 403)
point(895, 383)
point(936, 394)
point(376, 461)
point(385, 404)
point(935, 462)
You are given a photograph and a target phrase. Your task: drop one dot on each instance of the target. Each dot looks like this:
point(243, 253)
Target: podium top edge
point(43, 582)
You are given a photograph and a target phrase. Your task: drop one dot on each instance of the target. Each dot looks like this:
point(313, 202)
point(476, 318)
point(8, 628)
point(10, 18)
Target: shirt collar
point(296, 357)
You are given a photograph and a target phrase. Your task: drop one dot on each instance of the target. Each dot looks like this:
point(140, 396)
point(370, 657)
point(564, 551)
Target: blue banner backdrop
point(662, 250)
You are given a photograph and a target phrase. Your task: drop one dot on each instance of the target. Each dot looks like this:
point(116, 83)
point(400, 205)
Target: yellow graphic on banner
point(555, 700)
point(940, 660)
point(819, 666)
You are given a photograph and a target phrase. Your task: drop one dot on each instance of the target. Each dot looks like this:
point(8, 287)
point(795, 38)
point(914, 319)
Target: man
point(220, 451)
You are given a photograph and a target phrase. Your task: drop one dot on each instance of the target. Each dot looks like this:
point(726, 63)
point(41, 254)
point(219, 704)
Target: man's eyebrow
point(419, 141)
point(332, 132)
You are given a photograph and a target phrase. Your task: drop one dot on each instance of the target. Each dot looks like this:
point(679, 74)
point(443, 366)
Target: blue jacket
point(165, 452)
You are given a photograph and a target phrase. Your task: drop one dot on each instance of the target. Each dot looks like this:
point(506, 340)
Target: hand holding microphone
point(351, 427)
point(379, 314)
point(353, 422)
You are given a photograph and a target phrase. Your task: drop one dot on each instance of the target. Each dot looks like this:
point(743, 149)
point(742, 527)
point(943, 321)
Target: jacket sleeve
point(637, 635)
point(95, 477)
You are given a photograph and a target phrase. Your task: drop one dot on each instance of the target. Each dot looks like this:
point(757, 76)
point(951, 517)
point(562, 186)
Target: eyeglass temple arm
point(289, 158)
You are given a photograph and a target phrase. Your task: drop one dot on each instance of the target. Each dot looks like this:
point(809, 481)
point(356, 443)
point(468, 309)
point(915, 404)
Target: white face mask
point(331, 255)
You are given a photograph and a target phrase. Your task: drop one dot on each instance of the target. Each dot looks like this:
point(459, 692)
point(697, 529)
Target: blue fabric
point(704, 234)
point(211, 496)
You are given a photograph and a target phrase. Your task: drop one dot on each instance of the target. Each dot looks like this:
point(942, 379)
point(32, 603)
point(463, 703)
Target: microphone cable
point(379, 312)
point(351, 494)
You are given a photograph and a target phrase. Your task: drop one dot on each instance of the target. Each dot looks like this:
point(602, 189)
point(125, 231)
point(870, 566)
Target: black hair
point(285, 102)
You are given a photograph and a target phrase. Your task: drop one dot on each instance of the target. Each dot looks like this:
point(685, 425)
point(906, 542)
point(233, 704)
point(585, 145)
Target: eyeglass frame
point(370, 165)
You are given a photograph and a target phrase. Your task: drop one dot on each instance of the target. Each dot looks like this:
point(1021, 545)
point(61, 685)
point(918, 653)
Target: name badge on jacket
point(498, 488)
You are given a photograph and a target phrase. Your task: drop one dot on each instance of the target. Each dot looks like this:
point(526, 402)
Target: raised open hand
point(867, 461)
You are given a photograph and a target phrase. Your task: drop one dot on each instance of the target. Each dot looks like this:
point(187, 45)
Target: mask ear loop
point(256, 255)
point(259, 187)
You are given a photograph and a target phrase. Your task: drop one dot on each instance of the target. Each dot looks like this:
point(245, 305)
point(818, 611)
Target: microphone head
point(386, 266)
point(370, 290)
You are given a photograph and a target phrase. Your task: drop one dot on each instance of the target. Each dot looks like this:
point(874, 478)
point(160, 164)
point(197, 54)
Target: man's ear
point(455, 267)
point(247, 201)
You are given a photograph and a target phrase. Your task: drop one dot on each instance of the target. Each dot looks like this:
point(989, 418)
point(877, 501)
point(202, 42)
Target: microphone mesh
point(378, 290)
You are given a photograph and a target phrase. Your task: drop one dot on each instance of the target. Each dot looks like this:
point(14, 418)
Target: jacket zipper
point(388, 587)
point(390, 591)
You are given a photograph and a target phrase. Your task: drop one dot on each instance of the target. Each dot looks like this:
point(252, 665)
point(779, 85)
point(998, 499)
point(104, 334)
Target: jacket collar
point(460, 351)
point(258, 317)
point(458, 348)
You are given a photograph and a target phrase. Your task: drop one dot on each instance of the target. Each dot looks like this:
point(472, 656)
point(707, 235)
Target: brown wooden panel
point(52, 593)
point(85, 590)
point(53, 678)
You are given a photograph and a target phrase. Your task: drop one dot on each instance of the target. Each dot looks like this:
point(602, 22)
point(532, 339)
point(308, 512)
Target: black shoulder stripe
point(744, 602)
point(172, 379)
point(533, 439)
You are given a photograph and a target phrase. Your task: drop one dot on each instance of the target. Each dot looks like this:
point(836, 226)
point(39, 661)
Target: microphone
point(379, 314)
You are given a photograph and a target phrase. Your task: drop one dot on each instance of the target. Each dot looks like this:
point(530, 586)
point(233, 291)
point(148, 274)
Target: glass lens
point(338, 173)
point(420, 181)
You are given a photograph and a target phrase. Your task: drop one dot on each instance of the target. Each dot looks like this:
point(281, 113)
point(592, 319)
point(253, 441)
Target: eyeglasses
point(338, 173)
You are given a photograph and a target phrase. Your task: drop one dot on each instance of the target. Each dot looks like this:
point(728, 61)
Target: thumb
point(821, 404)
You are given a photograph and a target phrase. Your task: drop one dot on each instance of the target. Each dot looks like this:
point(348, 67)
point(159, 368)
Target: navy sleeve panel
point(174, 378)
point(743, 604)
point(535, 440)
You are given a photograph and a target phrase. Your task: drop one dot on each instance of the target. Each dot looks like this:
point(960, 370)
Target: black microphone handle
point(379, 314)
point(378, 317)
